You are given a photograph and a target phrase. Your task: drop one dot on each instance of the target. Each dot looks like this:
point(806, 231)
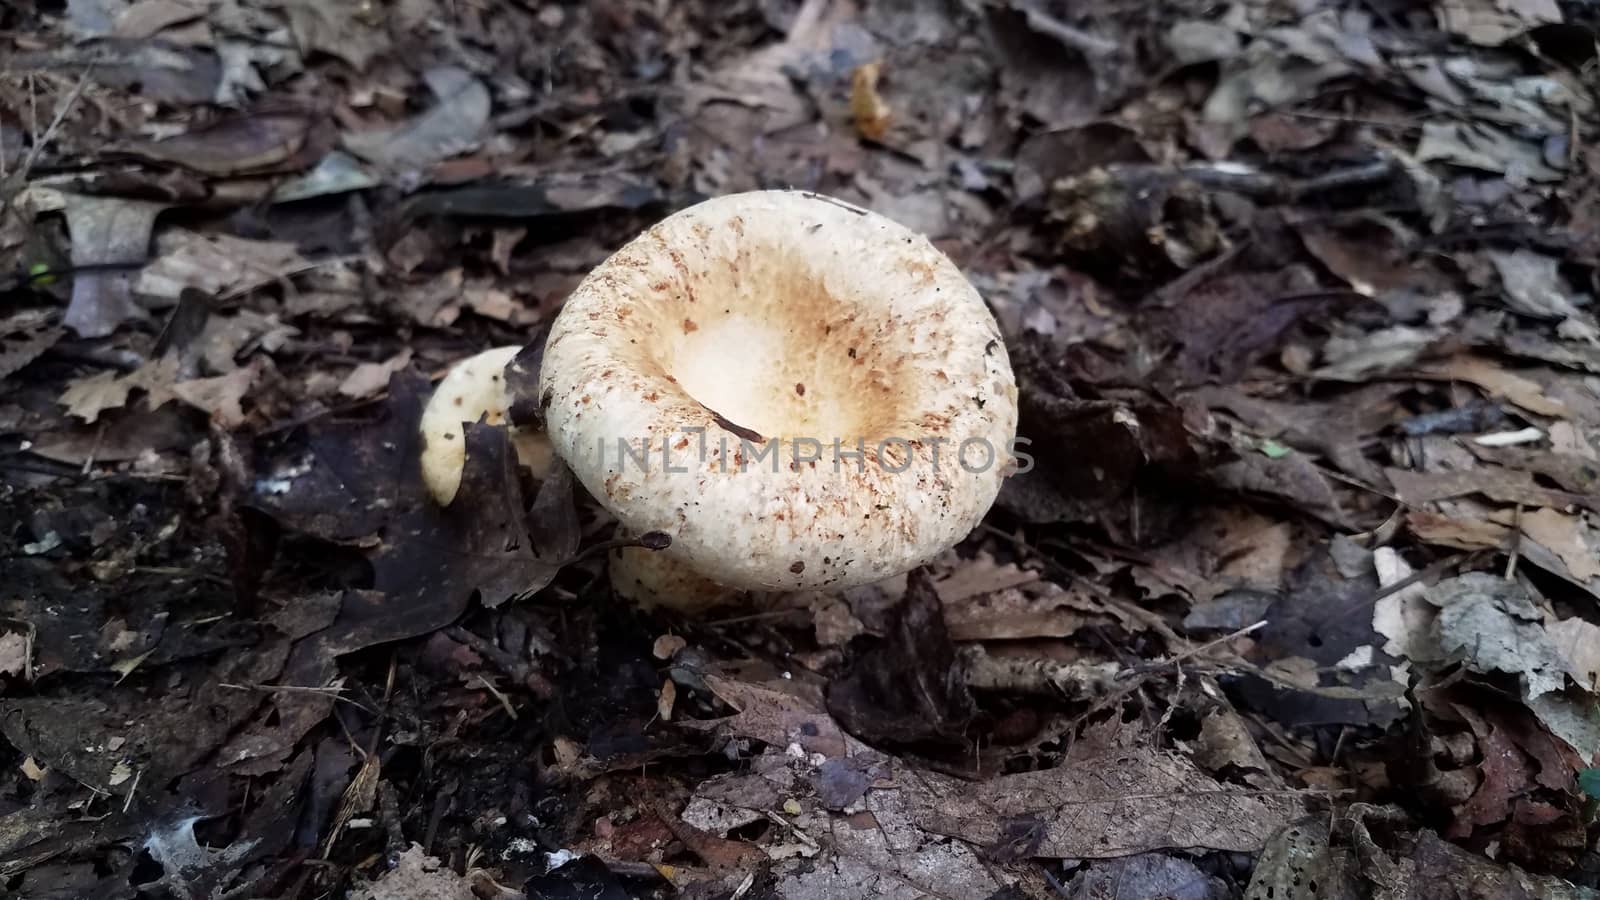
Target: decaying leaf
point(1493, 22)
point(218, 265)
point(454, 125)
point(417, 876)
point(1492, 624)
point(368, 379)
point(88, 397)
point(341, 30)
point(869, 110)
point(1497, 381)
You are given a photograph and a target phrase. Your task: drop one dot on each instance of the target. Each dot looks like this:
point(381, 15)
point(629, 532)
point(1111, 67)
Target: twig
point(335, 691)
point(1192, 652)
point(1076, 38)
point(41, 140)
point(1516, 543)
point(504, 701)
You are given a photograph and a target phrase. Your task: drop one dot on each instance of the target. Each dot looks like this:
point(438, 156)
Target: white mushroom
point(474, 388)
point(801, 393)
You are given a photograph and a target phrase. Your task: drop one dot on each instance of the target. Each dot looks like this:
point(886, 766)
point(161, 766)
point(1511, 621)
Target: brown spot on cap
point(798, 567)
point(689, 325)
point(800, 389)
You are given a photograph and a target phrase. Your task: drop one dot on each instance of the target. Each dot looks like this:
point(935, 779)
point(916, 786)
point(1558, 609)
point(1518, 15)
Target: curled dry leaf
point(867, 108)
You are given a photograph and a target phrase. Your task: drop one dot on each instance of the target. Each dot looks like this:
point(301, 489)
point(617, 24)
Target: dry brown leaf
point(220, 397)
point(145, 18)
point(1503, 485)
point(1463, 534)
point(454, 125)
point(981, 575)
point(777, 717)
point(1225, 741)
point(86, 398)
point(870, 112)
point(417, 876)
point(1491, 377)
point(368, 379)
point(1139, 799)
point(216, 264)
point(1492, 23)
point(1567, 537)
point(1579, 643)
point(1013, 614)
point(1566, 439)
point(17, 354)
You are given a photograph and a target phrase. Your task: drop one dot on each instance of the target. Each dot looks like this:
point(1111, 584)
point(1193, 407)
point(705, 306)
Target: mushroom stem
point(652, 578)
point(474, 389)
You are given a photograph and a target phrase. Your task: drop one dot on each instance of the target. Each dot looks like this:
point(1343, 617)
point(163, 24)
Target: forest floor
point(1302, 599)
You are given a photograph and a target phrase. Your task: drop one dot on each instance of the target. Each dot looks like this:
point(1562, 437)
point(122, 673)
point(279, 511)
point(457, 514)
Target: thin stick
point(1516, 543)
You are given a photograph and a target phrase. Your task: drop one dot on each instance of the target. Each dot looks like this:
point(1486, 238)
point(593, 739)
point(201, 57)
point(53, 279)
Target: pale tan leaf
point(1567, 537)
point(1578, 641)
point(1498, 382)
point(87, 398)
point(368, 379)
point(220, 397)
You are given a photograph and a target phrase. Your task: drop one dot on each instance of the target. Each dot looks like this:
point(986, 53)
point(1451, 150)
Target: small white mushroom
point(801, 393)
point(473, 389)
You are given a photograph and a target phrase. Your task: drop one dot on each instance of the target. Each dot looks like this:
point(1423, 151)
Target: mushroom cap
point(715, 377)
point(474, 388)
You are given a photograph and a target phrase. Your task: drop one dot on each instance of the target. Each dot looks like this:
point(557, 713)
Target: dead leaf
point(1504, 772)
point(1225, 743)
point(88, 397)
point(163, 72)
point(1491, 23)
point(1496, 381)
point(220, 397)
point(1359, 358)
point(146, 18)
point(367, 379)
point(235, 146)
point(417, 876)
point(1038, 611)
point(1136, 800)
point(1568, 538)
point(337, 29)
point(907, 689)
point(15, 654)
point(867, 108)
point(981, 575)
point(1504, 485)
point(218, 265)
point(1493, 626)
point(778, 718)
point(1481, 145)
point(1463, 534)
point(1294, 478)
point(453, 126)
point(1578, 641)
point(106, 231)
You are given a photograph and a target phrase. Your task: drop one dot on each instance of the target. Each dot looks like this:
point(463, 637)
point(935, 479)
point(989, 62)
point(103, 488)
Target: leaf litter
point(1299, 596)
